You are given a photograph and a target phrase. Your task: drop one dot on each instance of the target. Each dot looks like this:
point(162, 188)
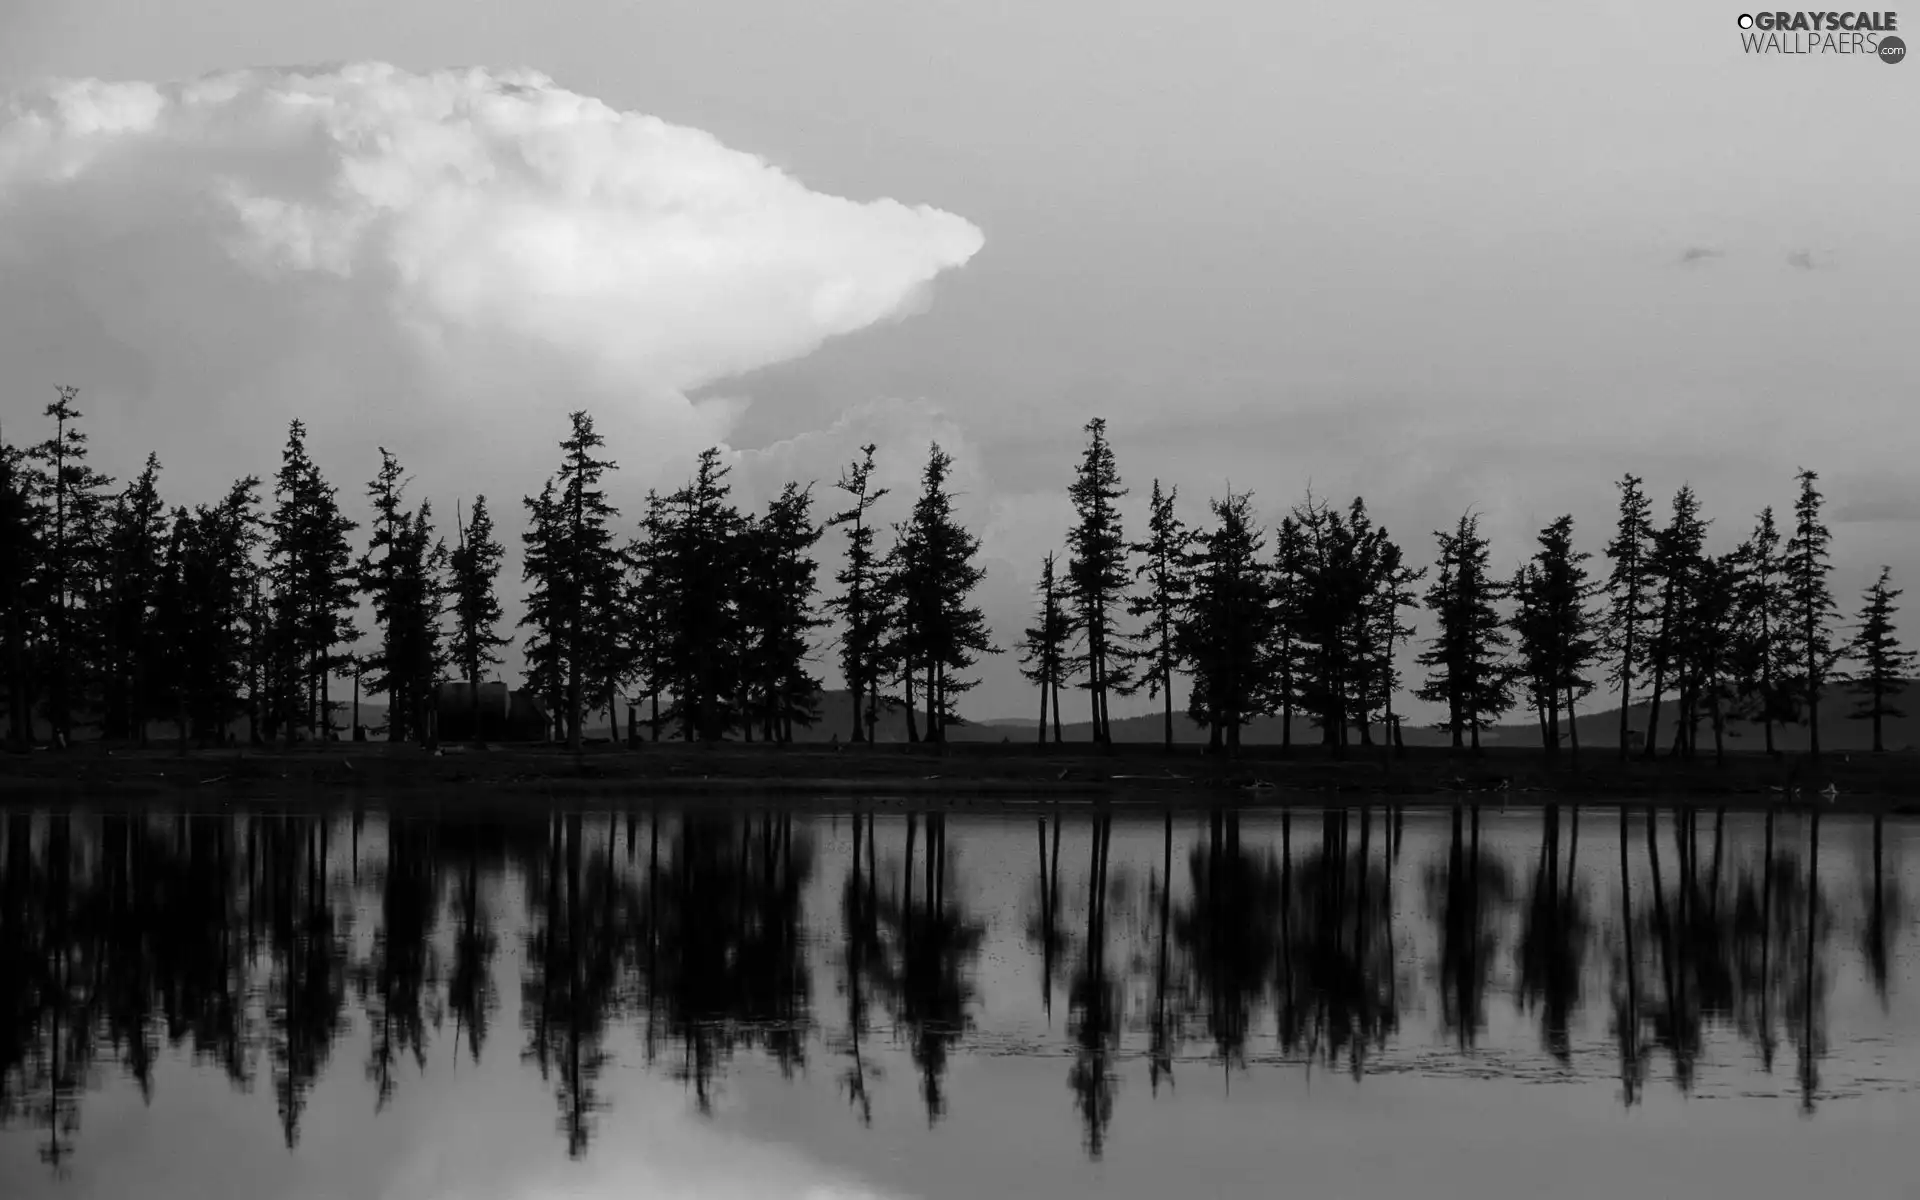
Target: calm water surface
point(671, 1003)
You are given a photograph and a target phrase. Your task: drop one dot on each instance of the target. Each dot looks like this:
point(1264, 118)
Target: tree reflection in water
point(226, 941)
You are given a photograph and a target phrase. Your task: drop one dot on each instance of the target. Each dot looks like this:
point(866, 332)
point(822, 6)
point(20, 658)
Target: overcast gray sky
point(1432, 254)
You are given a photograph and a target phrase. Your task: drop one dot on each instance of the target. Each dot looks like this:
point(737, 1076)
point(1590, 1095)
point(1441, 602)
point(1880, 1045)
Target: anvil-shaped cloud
point(446, 262)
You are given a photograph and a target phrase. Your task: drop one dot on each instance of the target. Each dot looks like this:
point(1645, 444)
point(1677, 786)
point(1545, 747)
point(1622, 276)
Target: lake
point(716, 1001)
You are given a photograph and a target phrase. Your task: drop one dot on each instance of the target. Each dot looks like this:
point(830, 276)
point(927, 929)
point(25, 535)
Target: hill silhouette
point(1597, 729)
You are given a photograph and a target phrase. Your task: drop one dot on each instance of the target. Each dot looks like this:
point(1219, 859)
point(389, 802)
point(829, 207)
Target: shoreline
point(972, 776)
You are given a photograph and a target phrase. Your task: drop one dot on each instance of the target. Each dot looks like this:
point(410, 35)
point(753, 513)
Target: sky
point(1449, 257)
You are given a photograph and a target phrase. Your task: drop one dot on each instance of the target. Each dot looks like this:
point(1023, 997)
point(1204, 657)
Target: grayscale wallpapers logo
point(1867, 34)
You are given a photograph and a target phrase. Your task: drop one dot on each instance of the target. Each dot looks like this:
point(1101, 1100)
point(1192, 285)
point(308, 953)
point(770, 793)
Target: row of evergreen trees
point(119, 610)
point(1311, 624)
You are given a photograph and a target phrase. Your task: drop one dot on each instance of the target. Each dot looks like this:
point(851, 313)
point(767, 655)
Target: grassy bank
point(961, 773)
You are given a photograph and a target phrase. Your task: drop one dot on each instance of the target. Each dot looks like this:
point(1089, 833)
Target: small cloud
point(1695, 254)
point(1807, 260)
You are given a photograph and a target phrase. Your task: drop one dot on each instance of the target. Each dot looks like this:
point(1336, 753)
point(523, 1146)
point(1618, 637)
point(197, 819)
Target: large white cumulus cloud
point(446, 261)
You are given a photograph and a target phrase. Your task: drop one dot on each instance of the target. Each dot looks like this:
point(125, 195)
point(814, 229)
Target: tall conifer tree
point(1885, 666)
point(1097, 571)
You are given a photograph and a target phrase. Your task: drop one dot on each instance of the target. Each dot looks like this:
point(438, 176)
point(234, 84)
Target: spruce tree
point(1228, 635)
point(417, 659)
point(861, 604)
point(383, 576)
point(176, 621)
point(1885, 666)
point(695, 575)
point(1097, 571)
point(1466, 656)
point(1760, 652)
point(943, 631)
point(1165, 561)
point(312, 570)
point(1044, 648)
point(1556, 640)
point(544, 567)
point(646, 602)
point(1629, 588)
point(20, 562)
point(1333, 631)
point(135, 554)
point(1675, 564)
point(1391, 591)
point(776, 602)
point(1807, 567)
point(74, 496)
point(1712, 648)
point(474, 603)
point(1288, 580)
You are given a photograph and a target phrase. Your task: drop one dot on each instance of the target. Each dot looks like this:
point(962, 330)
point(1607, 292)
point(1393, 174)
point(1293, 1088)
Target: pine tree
point(1629, 586)
point(20, 564)
point(942, 631)
point(696, 568)
point(1165, 559)
point(383, 575)
point(861, 604)
point(1807, 567)
point(1391, 591)
point(73, 494)
point(135, 552)
point(1333, 631)
point(417, 658)
point(311, 567)
point(1045, 646)
point(1290, 605)
point(176, 620)
point(1097, 570)
point(543, 566)
point(474, 604)
point(575, 570)
point(1760, 650)
point(1885, 666)
point(1229, 630)
point(1468, 673)
point(646, 601)
point(1712, 646)
point(1555, 630)
point(200, 614)
point(1675, 564)
point(776, 601)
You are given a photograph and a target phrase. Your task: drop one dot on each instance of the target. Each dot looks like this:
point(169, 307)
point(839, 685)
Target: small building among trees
point(506, 715)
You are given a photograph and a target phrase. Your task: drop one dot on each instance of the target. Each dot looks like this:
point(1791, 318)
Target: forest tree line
point(703, 621)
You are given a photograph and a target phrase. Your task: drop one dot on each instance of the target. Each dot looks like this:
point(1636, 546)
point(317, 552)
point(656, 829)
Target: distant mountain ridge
point(1600, 728)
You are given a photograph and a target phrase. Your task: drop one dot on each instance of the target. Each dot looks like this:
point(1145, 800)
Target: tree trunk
point(859, 712)
point(906, 681)
point(1659, 676)
point(1573, 730)
point(1167, 695)
point(19, 722)
point(933, 714)
point(1058, 736)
